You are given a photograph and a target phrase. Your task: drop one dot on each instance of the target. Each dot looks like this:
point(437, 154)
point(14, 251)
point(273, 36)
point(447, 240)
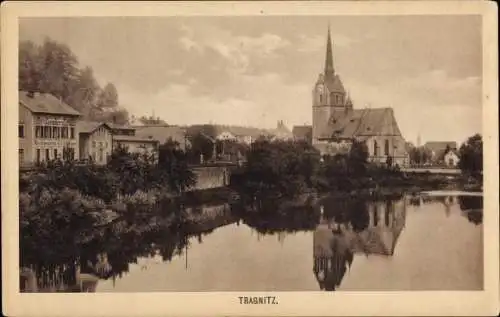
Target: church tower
point(329, 95)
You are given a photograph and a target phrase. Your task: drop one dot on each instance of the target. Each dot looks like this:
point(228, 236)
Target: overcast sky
point(255, 71)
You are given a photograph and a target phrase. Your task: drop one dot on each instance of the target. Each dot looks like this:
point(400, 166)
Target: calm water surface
point(429, 243)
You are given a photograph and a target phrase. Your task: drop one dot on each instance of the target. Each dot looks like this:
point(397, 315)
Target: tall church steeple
point(329, 70)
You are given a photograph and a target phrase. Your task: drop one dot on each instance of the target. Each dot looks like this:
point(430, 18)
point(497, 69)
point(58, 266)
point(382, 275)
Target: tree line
point(52, 67)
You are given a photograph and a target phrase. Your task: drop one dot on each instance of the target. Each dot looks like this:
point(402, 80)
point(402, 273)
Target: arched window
point(375, 148)
point(320, 98)
point(386, 147)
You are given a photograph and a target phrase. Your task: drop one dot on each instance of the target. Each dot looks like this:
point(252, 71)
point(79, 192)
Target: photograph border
point(456, 303)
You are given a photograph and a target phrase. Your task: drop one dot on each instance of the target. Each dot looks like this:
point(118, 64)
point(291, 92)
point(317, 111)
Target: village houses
point(443, 152)
point(50, 129)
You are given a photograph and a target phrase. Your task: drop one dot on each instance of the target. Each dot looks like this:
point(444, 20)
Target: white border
point(291, 303)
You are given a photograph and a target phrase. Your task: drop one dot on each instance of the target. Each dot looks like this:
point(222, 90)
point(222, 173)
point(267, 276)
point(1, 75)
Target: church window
point(375, 148)
point(320, 98)
point(386, 147)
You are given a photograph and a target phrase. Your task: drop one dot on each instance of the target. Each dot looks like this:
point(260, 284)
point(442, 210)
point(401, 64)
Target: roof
point(438, 146)
point(115, 126)
point(162, 133)
point(133, 138)
point(302, 131)
point(215, 130)
point(361, 123)
point(90, 126)
point(46, 103)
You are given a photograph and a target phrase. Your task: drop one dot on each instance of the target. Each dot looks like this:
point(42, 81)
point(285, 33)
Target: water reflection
point(353, 226)
point(357, 244)
point(121, 244)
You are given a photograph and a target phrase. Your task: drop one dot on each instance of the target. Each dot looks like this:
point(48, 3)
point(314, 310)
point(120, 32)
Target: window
point(55, 133)
point(21, 156)
point(47, 154)
point(55, 153)
point(38, 155)
point(93, 143)
point(21, 131)
point(38, 131)
point(386, 147)
point(375, 148)
point(375, 215)
point(64, 132)
point(72, 133)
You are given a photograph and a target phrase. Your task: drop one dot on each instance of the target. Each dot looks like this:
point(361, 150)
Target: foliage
point(358, 157)
point(53, 68)
point(65, 212)
point(279, 167)
point(89, 179)
point(419, 155)
point(201, 144)
point(173, 165)
point(471, 156)
point(134, 171)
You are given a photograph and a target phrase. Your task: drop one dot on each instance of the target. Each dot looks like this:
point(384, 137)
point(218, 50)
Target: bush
point(55, 223)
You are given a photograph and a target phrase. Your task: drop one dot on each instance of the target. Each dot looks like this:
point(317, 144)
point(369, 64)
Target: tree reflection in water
point(109, 254)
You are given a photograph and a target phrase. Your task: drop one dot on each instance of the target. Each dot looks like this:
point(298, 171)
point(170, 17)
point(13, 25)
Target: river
point(432, 241)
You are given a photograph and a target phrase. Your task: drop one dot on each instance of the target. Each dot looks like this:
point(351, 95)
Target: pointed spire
point(329, 70)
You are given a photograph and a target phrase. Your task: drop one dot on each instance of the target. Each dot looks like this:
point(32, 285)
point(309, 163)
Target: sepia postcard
point(305, 158)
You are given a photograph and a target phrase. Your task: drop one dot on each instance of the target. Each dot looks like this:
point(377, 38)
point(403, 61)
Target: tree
point(59, 69)
point(173, 164)
point(471, 156)
point(30, 66)
point(108, 97)
point(358, 157)
point(53, 68)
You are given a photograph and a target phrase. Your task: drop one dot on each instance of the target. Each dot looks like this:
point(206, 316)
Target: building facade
point(135, 144)
point(336, 124)
point(96, 141)
point(47, 128)
point(451, 158)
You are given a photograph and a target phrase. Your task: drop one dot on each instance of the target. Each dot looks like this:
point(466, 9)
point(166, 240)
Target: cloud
point(237, 50)
point(255, 100)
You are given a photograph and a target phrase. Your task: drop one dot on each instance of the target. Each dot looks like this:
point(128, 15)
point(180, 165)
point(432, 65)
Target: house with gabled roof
point(163, 133)
point(47, 128)
point(96, 141)
point(336, 123)
point(438, 149)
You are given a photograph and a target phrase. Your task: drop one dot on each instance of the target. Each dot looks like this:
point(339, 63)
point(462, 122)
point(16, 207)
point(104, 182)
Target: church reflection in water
point(350, 227)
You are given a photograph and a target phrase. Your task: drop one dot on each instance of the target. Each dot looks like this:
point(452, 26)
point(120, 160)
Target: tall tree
point(471, 156)
point(29, 66)
point(108, 98)
point(60, 71)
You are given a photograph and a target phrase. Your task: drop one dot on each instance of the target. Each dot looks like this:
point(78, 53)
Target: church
point(336, 122)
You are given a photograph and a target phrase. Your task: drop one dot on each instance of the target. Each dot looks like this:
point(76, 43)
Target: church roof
point(360, 123)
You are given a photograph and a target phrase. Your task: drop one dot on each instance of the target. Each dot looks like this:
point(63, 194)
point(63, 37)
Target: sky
point(254, 71)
